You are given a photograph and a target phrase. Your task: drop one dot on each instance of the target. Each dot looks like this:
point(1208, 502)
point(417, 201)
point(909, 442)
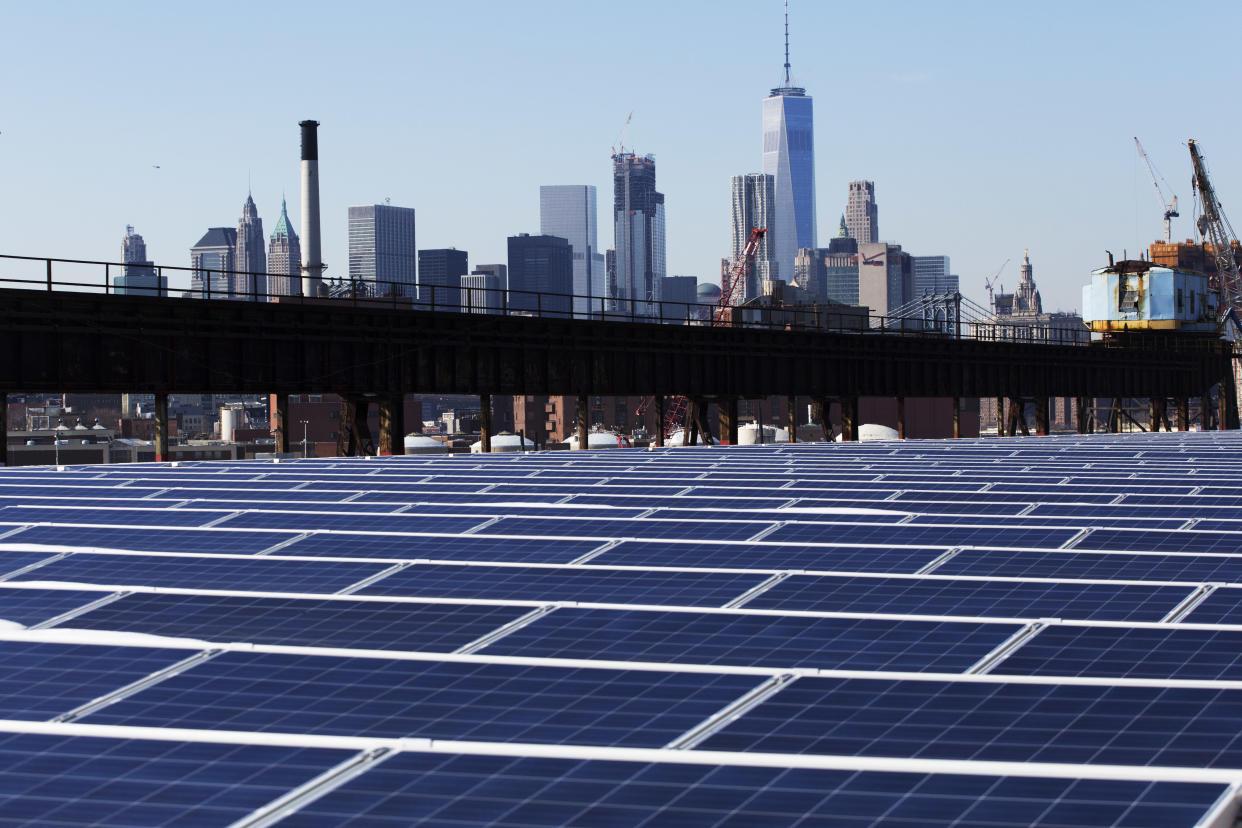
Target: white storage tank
point(230, 420)
point(599, 440)
point(748, 434)
point(504, 441)
point(422, 444)
point(673, 440)
point(868, 432)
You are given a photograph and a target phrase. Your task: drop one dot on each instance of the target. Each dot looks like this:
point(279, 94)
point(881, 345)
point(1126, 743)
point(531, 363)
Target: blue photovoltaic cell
point(1143, 540)
point(755, 640)
point(1221, 606)
point(622, 586)
point(301, 621)
point(461, 547)
point(41, 680)
point(349, 520)
point(112, 517)
point(439, 700)
point(764, 556)
point(31, 605)
point(1008, 599)
point(1092, 565)
point(431, 495)
point(919, 506)
point(986, 721)
point(154, 539)
point(908, 535)
point(427, 788)
point(645, 528)
point(1143, 652)
point(259, 574)
point(67, 781)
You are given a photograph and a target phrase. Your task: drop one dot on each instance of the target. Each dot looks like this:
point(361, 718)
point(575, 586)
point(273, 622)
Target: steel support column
point(281, 409)
point(1205, 411)
point(901, 418)
point(1000, 416)
point(485, 423)
point(793, 418)
point(957, 417)
point(1183, 413)
point(392, 424)
point(161, 428)
point(584, 422)
point(849, 419)
point(821, 410)
point(659, 411)
point(727, 415)
point(1041, 415)
point(1081, 415)
point(4, 430)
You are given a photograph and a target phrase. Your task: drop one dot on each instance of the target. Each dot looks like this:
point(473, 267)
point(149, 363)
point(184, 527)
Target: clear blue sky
point(987, 127)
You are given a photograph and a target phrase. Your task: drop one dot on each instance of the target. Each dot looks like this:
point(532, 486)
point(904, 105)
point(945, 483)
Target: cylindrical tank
point(230, 419)
point(422, 444)
point(503, 442)
point(675, 439)
point(867, 432)
point(748, 434)
point(597, 440)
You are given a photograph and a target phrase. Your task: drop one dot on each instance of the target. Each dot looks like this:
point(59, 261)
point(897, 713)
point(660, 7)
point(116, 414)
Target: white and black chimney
point(312, 257)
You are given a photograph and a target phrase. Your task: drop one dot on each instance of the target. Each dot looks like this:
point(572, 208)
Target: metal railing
point(141, 279)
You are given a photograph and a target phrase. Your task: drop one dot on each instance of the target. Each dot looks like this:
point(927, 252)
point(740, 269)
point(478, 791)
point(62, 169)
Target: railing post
point(49, 275)
point(108, 279)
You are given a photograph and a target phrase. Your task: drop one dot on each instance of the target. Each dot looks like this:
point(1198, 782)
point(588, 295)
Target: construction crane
point(991, 283)
point(1169, 207)
point(722, 314)
point(1214, 228)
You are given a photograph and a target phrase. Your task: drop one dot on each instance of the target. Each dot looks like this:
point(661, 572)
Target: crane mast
point(1168, 207)
point(722, 314)
point(1214, 228)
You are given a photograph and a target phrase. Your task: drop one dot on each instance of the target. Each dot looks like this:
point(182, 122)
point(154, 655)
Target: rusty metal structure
point(91, 342)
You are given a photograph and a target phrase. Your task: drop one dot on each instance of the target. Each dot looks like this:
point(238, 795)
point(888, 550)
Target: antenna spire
point(787, 43)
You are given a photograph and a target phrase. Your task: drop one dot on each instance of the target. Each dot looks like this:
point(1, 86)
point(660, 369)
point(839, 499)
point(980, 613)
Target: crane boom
point(722, 314)
point(1168, 207)
point(1215, 229)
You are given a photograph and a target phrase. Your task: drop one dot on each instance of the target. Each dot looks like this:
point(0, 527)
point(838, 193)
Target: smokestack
point(312, 262)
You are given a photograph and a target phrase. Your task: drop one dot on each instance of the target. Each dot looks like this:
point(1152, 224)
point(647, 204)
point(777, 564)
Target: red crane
point(731, 291)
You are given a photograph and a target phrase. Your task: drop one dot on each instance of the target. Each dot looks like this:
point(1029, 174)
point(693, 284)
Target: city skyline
point(980, 147)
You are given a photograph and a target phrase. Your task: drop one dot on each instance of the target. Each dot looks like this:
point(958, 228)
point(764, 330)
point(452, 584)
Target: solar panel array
point(990, 632)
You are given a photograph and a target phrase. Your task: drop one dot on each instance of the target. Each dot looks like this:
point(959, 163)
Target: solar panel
point(204, 572)
point(309, 622)
point(707, 605)
point(630, 586)
point(755, 640)
point(56, 780)
point(268, 692)
point(454, 789)
point(994, 721)
point(1006, 599)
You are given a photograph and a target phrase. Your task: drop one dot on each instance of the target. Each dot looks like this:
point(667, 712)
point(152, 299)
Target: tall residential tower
point(789, 157)
point(753, 207)
point(638, 225)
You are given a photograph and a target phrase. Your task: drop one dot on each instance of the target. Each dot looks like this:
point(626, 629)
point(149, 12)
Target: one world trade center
point(789, 157)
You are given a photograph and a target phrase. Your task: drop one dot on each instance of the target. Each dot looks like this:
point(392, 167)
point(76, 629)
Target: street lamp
point(60, 424)
point(304, 443)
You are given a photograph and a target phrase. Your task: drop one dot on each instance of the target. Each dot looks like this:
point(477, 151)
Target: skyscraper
point(250, 260)
point(483, 289)
point(932, 276)
point(140, 276)
point(862, 219)
point(284, 257)
point(212, 259)
point(569, 211)
point(753, 207)
point(381, 249)
point(789, 157)
point(540, 267)
point(638, 226)
point(439, 278)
